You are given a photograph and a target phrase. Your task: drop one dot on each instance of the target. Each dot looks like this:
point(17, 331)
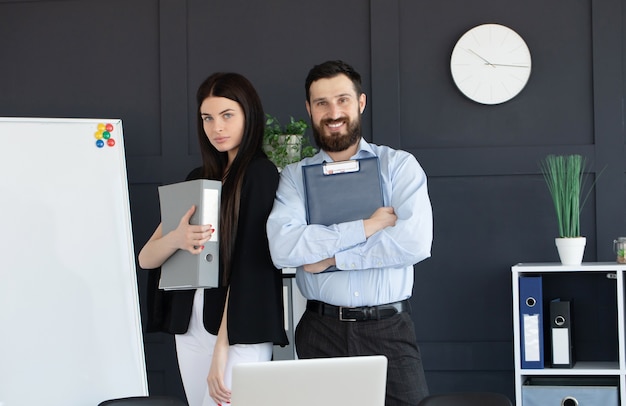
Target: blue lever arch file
point(531, 322)
point(338, 192)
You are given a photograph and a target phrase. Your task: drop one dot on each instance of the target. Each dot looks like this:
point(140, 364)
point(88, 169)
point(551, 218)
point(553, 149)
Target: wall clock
point(490, 64)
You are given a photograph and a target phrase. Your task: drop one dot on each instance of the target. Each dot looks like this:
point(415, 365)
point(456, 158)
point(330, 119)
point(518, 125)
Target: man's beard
point(337, 142)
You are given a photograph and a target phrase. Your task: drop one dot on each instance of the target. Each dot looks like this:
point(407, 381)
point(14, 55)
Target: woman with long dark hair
point(241, 320)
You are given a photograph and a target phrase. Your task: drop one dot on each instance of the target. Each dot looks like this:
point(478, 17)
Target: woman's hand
point(185, 237)
point(191, 237)
point(217, 389)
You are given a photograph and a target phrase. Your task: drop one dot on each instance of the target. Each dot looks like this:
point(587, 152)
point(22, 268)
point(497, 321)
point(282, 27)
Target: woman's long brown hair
point(235, 87)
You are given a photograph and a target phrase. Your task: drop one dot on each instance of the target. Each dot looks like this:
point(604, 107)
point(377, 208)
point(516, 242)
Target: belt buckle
point(341, 318)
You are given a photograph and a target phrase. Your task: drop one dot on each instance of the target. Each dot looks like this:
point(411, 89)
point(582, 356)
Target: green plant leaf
point(564, 176)
point(280, 147)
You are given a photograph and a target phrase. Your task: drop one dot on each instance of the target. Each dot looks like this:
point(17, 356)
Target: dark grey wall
point(142, 60)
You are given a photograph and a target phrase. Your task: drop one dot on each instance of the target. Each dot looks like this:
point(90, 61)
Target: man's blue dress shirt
point(371, 271)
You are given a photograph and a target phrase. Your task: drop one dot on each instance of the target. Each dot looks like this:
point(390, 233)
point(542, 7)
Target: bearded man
point(357, 276)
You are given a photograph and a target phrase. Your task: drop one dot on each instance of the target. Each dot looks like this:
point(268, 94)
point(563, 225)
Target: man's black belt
point(362, 313)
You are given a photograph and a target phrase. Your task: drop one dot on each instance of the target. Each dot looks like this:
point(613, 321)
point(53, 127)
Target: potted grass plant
point(286, 144)
point(565, 178)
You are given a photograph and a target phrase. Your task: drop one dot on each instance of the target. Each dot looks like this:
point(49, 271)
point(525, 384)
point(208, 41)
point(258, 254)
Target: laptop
point(311, 382)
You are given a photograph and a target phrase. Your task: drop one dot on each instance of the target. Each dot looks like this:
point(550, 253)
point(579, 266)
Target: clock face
point(490, 64)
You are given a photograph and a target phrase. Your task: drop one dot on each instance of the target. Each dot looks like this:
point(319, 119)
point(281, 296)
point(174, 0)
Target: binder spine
point(561, 334)
point(531, 322)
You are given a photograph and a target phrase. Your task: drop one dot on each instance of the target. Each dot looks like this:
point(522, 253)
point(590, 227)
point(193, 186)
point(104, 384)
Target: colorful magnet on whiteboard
point(110, 142)
point(99, 143)
point(98, 135)
point(106, 135)
point(101, 127)
point(109, 127)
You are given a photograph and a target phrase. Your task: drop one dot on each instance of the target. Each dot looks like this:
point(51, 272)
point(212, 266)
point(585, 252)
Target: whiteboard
point(70, 328)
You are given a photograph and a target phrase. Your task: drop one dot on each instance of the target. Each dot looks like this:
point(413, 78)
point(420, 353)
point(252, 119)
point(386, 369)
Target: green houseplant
point(565, 178)
point(286, 144)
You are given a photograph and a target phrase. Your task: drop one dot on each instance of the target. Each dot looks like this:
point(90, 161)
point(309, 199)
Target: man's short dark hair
point(330, 69)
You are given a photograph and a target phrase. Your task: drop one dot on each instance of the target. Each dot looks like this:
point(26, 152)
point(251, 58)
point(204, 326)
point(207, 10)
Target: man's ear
point(362, 102)
point(308, 108)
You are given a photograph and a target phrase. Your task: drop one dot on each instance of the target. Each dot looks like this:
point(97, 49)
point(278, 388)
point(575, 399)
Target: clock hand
point(493, 65)
point(486, 61)
point(510, 66)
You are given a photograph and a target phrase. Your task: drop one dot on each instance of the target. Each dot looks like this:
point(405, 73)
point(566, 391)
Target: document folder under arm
point(338, 192)
point(184, 270)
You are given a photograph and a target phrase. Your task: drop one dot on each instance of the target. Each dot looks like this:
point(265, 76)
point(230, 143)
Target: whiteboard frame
point(69, 305)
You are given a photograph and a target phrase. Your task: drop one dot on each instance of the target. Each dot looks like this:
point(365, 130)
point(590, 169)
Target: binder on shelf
point(338, 192)
point(184, 270)
point(561, 334)
point(531, 322)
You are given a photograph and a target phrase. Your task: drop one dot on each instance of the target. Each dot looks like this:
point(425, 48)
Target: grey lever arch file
point(338, 192)
point(184, 270)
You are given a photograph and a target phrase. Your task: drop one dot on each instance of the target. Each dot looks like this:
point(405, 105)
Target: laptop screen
point(311, 382)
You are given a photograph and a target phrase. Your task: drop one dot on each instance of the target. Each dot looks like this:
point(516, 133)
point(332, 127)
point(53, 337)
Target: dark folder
point(561, 334)
point(338, 192)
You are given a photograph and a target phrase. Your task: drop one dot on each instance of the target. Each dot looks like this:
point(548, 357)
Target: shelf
point(580, 368)
point(544, 267)
point(595, 296)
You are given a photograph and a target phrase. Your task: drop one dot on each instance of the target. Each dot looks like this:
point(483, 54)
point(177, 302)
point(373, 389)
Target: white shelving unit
point(585, 368)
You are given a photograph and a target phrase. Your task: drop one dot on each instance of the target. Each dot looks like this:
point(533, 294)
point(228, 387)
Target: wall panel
point(83, 59)
point(555, 107)
point(142, 61)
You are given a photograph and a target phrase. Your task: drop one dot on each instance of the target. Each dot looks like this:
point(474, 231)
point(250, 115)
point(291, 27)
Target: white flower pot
point(571, 250)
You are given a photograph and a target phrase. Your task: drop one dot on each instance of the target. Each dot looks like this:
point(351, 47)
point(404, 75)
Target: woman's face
point(223, 121)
